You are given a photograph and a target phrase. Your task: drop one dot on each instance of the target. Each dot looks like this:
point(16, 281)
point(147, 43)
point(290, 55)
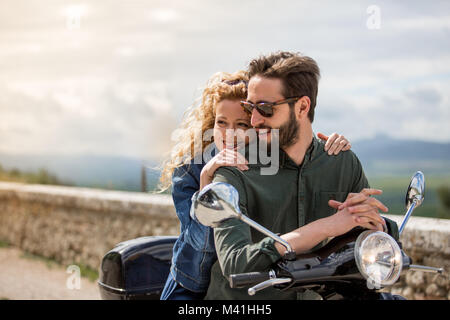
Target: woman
point(219, 110)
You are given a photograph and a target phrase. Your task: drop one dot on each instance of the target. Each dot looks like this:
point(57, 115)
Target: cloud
point(414, 113)
point(120, 83)
point(422, 23)
point(69, 119)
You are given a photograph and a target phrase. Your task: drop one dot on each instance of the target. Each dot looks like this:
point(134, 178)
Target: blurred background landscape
point(91, 92)
point(388, 164)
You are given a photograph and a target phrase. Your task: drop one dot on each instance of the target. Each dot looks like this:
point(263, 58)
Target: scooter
point(353, 266)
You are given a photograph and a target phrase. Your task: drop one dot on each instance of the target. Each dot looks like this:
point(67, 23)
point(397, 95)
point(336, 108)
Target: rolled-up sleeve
point(236, 251)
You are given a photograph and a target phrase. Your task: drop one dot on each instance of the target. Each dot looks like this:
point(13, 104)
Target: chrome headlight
point(378, 257)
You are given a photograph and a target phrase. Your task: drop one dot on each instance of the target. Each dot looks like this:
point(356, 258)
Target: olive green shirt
point(296, 195)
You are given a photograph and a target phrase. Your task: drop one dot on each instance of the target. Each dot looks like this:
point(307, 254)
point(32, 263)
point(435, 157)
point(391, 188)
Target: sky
point(115, 77)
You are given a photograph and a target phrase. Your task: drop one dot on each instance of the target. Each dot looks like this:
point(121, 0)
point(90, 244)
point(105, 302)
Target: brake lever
point(266, 284)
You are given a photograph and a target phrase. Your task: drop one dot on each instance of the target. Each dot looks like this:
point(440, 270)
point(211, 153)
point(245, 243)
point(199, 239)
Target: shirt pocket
point(321, 207)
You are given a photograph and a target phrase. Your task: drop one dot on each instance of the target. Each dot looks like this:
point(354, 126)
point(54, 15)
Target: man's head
point(279, 76)
point(299, 75)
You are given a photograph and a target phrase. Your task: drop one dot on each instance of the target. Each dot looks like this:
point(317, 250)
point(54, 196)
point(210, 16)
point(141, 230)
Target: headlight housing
point(378, 257)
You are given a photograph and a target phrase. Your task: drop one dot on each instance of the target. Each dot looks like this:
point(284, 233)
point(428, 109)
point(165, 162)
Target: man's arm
point(359, 211)
point(236, 251)
point(238, 254)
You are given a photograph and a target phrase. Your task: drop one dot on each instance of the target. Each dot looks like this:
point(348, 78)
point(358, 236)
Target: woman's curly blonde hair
point(199, 118)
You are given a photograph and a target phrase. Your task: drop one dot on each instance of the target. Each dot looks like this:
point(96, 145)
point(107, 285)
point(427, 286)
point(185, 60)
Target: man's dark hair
point(299, 74)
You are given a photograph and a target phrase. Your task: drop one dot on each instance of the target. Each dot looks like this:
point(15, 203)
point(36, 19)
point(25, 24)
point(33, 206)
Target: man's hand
point(359, 209)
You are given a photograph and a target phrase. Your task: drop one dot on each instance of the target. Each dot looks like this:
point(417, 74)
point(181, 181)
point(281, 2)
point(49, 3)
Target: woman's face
point(232, 117)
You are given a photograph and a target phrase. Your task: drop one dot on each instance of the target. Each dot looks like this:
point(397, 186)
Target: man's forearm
point(361, 210)
point(306, 237)
point(236, 251)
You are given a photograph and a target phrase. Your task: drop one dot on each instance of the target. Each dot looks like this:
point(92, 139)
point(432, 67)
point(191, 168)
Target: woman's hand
point(226, 157)
point(335, 143)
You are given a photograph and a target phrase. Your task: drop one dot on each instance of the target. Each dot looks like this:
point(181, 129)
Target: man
point(311, 198)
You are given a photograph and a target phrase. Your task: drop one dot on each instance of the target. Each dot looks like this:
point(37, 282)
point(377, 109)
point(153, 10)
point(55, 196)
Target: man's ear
point(302, 107)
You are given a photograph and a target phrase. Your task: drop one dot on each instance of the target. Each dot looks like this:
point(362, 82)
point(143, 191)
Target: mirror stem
point(407, 215)
point(260, 228)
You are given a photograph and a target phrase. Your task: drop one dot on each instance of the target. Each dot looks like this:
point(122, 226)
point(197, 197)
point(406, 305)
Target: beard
point(289, 131)
point(286, 135)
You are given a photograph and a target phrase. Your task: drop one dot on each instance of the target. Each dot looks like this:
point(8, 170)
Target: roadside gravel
point(23, 278)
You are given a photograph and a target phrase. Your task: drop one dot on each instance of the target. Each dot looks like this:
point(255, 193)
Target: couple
point(313, 196)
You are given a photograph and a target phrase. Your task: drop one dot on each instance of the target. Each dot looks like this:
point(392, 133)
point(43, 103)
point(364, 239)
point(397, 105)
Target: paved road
point(24, 278)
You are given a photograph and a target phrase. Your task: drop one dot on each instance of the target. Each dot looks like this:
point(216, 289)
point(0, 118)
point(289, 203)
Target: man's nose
point(256, 118)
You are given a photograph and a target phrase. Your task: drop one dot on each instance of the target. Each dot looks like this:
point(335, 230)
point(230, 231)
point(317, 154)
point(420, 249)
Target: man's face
point(261, 89)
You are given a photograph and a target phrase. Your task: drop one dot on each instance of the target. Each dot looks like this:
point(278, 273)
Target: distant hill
point(385, 156)
point(109, 172)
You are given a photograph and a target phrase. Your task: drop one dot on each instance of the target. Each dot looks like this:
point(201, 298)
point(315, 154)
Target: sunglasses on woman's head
point(235, 82)
point(266, 108)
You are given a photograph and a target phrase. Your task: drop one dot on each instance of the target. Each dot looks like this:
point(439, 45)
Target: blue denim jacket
point(194, 252)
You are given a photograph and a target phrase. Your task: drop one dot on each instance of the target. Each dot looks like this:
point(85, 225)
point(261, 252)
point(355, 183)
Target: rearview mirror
point(416, 190)
point(414, 196)
point(216, 202)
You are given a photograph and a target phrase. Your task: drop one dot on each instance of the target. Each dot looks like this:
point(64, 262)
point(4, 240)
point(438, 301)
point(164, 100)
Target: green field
point(394, 192)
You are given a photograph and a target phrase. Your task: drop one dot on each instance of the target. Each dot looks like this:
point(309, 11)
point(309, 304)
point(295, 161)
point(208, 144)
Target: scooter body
point(352, 266)
point(136, 269)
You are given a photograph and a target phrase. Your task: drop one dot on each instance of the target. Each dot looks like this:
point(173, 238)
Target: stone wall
point(79, 225)
point(427, 242)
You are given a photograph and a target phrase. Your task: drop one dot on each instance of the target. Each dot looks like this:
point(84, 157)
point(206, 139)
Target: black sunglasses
point(235, 82)
point(266, 108)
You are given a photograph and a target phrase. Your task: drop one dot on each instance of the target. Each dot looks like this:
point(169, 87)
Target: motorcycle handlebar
point(246, 279)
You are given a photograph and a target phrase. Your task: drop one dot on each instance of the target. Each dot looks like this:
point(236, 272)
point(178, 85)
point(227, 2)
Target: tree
point(444, 195)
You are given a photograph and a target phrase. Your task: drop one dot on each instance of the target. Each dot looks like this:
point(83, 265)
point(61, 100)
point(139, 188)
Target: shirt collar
point(310, 154)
